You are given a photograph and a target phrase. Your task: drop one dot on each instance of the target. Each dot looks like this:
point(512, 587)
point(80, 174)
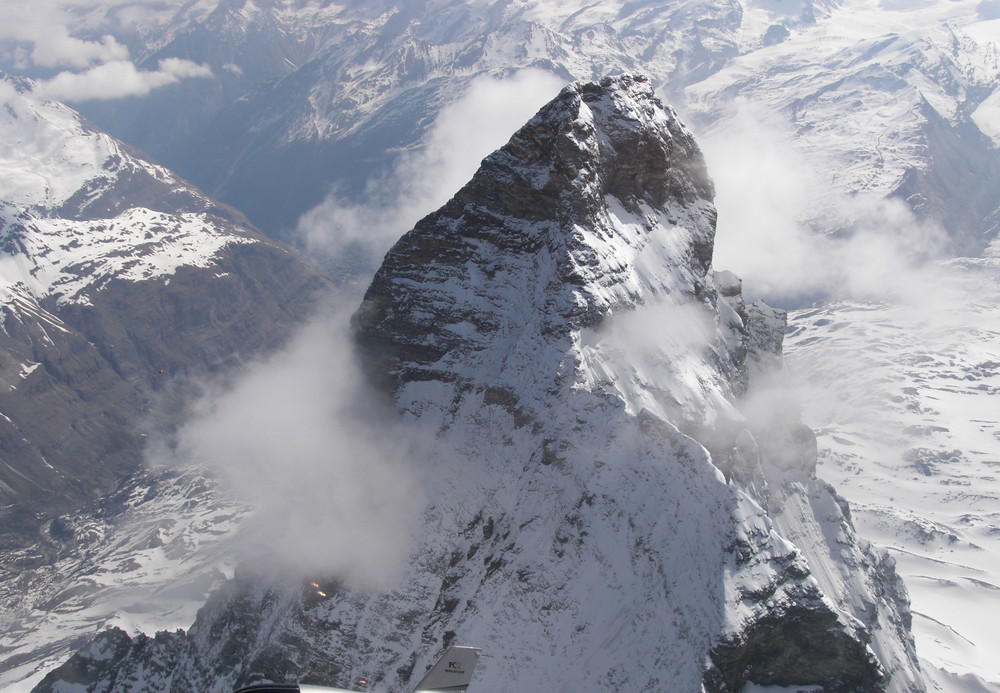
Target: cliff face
point(551, 237)
point(608, 508)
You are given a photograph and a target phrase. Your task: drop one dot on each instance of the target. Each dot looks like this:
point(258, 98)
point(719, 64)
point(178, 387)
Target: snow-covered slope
point(79, 208)
point(117, 280)
point(144, 558)
point(115, 276)
point(902, 395)
point(881, 102)
point(558, 340)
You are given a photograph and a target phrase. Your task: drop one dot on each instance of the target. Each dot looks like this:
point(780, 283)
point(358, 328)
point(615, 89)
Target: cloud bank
point(300, 438)
point(41, 37)
point(791, 236)
point(56, 48)
point(117, 79)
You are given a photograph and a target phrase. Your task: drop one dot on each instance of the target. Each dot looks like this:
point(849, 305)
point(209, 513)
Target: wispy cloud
point(56, 48)
point(791, 235)
point(117, 79)
point(301, 438)
point(489, 112)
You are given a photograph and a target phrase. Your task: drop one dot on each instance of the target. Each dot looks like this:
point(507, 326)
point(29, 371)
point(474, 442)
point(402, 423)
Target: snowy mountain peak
point(54, 163)
point(574, 373)
point(558, 323)
point(79, 208)
point(600, 203)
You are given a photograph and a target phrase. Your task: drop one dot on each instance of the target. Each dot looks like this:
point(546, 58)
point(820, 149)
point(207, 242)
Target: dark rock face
point(176, 661)
point(99, 660)
point(108, 357)
point(72, 428)
point(533, 199)
point(795, 647)
point(957, 189)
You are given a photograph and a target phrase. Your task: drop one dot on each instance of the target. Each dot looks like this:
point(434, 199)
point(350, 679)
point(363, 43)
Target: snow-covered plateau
point(902, 397)
point(144, 560)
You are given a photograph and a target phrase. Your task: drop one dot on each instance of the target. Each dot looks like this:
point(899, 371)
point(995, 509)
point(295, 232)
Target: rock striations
point(607, 507)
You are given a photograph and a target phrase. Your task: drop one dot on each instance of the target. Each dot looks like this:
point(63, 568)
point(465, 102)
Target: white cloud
point(7, 91)
point(43, 28)
point(300, 437)
point(790, 235)
point(467, 130)
point(142, 15)
point(57, 34)
point(56, 48)
point(183, 69)
point(659, 357)
point(118, 79)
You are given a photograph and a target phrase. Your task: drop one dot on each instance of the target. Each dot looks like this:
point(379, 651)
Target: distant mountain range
point(895, 101)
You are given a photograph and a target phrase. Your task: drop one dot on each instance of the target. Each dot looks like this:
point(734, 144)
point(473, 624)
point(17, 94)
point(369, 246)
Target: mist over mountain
point(566, 489)
point(853, 149)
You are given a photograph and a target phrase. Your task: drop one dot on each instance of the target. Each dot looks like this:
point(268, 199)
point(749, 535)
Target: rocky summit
point(609, 505)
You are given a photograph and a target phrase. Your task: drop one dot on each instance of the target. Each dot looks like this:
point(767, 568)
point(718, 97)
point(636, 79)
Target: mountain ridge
point(103, 300)
point(369, 76)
